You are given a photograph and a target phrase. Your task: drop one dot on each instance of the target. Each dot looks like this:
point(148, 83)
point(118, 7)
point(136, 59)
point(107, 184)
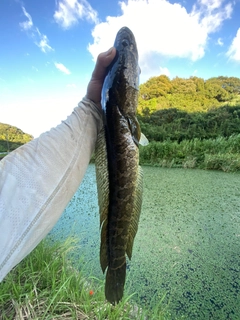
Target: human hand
point(94, 88)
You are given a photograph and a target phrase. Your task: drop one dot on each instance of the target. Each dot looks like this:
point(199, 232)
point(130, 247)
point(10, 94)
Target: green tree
point(185, 86)
point(214, 90)
point(155, 87)
point(12, 137)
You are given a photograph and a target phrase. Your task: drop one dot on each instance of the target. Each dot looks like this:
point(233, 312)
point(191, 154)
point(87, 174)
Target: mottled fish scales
point(119, 177)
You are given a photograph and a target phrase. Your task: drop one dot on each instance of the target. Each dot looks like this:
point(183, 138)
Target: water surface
point(187, 245)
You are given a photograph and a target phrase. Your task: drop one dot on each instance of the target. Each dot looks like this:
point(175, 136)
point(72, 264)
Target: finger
point(103, 61)
point(95, 85)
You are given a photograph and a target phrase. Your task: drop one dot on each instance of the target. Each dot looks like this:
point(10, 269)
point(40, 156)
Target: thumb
point(95, 85)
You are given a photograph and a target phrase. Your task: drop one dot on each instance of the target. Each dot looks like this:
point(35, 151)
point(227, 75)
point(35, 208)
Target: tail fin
point(115, 280)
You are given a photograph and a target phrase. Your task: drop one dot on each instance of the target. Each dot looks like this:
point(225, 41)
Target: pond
point(187, 246)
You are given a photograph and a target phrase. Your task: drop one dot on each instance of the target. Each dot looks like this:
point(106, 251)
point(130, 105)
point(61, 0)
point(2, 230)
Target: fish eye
point(125, 42)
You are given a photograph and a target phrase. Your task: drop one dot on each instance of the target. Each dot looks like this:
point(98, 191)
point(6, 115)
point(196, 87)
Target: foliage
point(11, 137)
point(191, 95)
point(177, 125)
point(191, 122)
point(45, 286)
point(155, 87)
point(218, 154)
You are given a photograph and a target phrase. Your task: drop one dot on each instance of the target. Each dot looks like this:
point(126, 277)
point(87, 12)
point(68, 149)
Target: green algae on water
point(187, 246)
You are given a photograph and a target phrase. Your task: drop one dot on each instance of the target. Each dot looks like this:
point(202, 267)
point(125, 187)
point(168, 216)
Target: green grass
point(2, 155)
point(221, 153)
point(45, 286)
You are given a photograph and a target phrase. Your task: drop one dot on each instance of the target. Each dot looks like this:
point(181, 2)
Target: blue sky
point(48, 49)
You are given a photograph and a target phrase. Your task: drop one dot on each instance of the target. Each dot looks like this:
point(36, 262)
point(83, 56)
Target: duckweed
point(186, 253)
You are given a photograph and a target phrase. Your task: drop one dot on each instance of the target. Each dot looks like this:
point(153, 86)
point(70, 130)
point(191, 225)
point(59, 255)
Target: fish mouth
point(123, 72)
point(125, 40)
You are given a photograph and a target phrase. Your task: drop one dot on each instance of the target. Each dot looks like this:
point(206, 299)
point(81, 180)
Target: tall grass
point(219, 154)
point(45, 286)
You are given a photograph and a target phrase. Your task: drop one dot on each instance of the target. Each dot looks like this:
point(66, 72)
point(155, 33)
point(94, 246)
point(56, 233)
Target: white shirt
point(38, 180)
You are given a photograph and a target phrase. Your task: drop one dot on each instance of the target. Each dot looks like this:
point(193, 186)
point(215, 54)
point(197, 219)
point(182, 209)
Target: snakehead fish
point(119, 177)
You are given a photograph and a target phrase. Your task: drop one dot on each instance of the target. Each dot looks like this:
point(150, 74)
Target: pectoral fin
point(143, 140)
point(134, 128)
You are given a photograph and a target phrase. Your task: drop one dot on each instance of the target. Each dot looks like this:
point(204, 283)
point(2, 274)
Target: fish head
point(127, 53)
point(121, 84)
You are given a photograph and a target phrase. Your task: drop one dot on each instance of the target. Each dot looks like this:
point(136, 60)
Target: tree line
point(189, 122)
point(192, 123)
point(177, 125)
point(191, 95)
point(12, 137)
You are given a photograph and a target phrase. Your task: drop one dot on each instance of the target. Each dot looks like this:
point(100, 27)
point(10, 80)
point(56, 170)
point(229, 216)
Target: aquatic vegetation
point(186, 252)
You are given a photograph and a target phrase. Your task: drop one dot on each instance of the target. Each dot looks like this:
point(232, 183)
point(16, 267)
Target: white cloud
point(42, 42)
point(163, 29)
point(26, 25)
point(70, 11)
point(234, 50)
point(220, 42)
point(211, 14)
point(39, 39)
point(210, 5)
point(62, 68)
point(164, 70)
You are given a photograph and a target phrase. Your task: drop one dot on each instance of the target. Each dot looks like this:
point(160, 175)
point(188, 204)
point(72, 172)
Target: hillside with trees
point(191, 122)
point(12, 137)
point(190, 95)
point(177, 125)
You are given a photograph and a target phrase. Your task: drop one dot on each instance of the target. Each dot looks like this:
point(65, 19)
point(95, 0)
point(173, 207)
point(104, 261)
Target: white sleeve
point(38, 180)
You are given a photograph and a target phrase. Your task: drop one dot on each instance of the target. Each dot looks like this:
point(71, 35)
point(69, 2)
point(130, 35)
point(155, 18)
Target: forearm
point(38, 180)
